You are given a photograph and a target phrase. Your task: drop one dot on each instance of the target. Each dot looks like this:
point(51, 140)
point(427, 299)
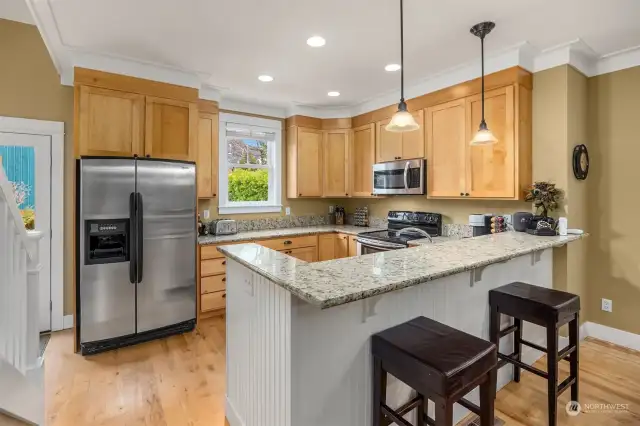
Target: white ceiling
point(15, 10)
point(227, 44)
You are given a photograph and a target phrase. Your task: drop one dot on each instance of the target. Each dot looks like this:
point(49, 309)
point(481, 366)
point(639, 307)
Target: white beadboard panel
point(318, 362)
point(258, 349)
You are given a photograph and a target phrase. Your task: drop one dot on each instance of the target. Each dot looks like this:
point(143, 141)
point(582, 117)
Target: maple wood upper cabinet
point(171, 129)
point(207, 161)
point(455, 169)
point(363, 159)
point(336, 147)
point(391, 146)
point(446, 149)
point(304, 162)
point(110, 122)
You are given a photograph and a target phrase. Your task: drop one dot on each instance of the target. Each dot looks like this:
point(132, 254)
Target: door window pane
point(19, 165)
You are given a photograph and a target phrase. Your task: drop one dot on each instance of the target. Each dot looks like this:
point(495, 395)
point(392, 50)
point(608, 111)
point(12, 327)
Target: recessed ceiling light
point(316, 41)
point(333, 94)
point(392, 67)
point(265, 78)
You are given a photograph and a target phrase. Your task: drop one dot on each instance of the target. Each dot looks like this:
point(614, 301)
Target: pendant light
point(484, 135)
point(402, 120)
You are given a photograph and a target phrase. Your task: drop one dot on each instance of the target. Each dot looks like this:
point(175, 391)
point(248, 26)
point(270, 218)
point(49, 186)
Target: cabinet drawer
point(212, 284)
point(213, 266)
point(290, 243)
point(211, 301)
point(210, 252)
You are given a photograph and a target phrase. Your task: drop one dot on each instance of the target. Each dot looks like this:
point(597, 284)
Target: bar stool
point(550, 309)
point(440, 363)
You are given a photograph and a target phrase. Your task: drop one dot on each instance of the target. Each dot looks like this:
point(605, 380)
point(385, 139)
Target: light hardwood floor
point(179, 381)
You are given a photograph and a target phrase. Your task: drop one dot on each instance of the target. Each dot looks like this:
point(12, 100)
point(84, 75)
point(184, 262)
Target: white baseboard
point(231, 414)
point(612, 335)
point(67, 322)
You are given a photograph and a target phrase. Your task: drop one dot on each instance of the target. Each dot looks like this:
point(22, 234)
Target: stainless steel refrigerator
point(135, 251)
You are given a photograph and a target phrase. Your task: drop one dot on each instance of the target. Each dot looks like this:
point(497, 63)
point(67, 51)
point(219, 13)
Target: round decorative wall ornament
point(580, 162)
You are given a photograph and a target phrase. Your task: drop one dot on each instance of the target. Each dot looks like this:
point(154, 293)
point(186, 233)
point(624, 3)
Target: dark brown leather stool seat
point(548, 308)
point(439, 362)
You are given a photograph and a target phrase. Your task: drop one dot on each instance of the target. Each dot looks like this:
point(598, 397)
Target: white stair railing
point(21, 367)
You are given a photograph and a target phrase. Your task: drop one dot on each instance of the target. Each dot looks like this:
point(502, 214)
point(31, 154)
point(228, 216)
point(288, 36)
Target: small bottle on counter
point(562, 226)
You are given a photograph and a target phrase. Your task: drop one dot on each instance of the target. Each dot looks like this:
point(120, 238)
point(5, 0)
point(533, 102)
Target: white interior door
point(27, 163)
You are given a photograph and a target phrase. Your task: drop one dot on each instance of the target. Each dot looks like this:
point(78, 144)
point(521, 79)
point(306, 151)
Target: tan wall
point(614, 246)
point(30, 88)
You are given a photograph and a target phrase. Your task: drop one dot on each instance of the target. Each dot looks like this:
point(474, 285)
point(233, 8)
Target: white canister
point(562, 226)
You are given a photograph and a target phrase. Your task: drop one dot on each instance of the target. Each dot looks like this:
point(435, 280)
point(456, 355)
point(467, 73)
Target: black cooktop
point(390, 235)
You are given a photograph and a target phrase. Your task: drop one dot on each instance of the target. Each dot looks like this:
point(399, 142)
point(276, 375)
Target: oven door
point(399, 177)
point(367, 246)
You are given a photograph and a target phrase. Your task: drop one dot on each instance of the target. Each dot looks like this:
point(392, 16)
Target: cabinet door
point(171, 129)
point(342, 246)
point(362, 160)
point(309, 162)
point(388, 144)
point(207, 161)
point(446, 149)
point(353, 246)
point(335, 160)
point(413, 142)
point(327, 247)
point(491, 168)
point(110, 122)
point(308, 254)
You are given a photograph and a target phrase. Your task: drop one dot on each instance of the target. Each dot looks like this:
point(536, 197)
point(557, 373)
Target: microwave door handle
point(406, 175)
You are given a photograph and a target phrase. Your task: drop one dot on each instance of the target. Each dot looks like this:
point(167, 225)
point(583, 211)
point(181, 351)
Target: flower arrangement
point(545, 197)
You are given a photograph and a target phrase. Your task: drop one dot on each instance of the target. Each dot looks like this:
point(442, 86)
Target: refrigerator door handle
point(139, 238)
point(132, 239)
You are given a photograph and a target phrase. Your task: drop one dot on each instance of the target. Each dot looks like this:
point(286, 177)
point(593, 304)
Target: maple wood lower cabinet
point(392, 146)
point(207, 160)
point(332, 246)
point(171, 129)
point(304, 162)
point(110, 122)
point(212, 281)
point(456, 169)
point(308, 254)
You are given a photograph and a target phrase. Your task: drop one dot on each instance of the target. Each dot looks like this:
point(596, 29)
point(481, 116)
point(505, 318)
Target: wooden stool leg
point(486, 400)
point(574, 358)
point(379, 391)
point(552, 369)
point(517, 348)
point(494, 337)
point(444, 412)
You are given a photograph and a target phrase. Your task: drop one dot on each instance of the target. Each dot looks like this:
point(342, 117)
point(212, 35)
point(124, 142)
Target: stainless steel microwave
point(399, 177)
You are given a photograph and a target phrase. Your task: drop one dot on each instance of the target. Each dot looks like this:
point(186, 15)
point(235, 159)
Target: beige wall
point(560, 123)
point(30, 88)
point(614, 246)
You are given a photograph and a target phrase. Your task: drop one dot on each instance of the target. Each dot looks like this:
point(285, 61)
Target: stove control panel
point(430, 222)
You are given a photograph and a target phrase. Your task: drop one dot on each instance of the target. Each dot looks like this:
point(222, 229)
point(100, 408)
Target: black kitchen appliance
point(403, 227)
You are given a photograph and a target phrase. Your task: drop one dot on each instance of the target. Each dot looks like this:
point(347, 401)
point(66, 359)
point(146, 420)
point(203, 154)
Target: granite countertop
point(284, 232)
point(336, 282)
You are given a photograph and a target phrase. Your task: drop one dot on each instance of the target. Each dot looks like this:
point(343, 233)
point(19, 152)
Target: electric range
point(403, 227)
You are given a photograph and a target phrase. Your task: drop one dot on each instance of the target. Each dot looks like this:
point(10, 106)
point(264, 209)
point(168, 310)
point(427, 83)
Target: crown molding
point(576, 53)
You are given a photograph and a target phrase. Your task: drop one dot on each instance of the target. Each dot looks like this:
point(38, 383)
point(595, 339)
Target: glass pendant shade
point(402, 121)
point(483, 136)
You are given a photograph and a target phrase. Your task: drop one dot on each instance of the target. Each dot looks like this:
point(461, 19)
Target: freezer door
point(105, 285)
point(167, 261)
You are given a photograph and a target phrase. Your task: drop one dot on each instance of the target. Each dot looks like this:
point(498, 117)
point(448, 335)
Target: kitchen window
point(250, 164)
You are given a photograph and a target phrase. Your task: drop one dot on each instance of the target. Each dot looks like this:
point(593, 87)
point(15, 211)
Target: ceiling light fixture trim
point(265, 78)
point(316, 41)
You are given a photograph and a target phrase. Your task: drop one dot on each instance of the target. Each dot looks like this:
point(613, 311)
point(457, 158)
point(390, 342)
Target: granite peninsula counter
point(298, 333)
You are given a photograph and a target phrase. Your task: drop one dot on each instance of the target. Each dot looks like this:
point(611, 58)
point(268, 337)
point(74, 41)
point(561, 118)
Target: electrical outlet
point(205, 214)
point(287, 211)
point(607, 305)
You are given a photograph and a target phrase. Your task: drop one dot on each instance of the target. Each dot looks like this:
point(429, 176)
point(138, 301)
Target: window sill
point(249, 209)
